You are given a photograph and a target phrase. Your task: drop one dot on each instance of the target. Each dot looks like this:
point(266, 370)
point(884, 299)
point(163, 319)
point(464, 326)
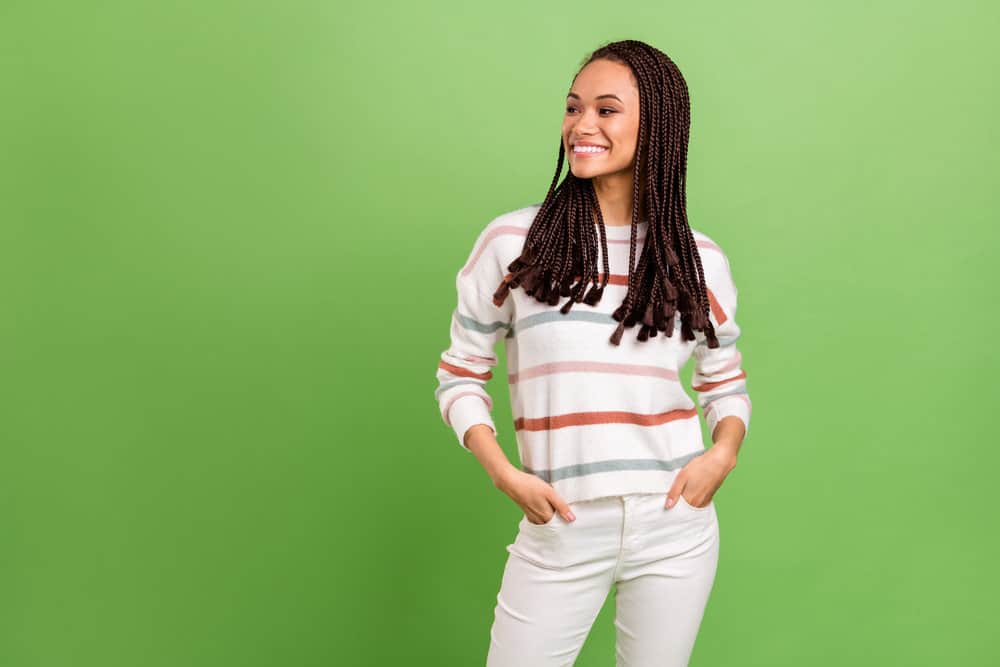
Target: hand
point(536, 497)
point(701, 477)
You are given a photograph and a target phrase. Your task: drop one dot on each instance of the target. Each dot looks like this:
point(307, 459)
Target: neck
point(614, 195)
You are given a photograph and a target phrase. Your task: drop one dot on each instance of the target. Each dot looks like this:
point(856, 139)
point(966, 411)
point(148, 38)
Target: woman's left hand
point(701, 477)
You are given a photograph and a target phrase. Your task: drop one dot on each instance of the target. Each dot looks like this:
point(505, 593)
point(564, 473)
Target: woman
point(604, 427)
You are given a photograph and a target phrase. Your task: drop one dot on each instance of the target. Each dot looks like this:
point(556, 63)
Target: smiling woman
point(625, 166)
point(604, 427)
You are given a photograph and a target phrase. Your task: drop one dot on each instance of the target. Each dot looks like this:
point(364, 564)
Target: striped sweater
point(591, 418)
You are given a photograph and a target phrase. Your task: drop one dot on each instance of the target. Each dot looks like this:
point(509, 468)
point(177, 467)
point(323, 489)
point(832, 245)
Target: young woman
point(616, 484)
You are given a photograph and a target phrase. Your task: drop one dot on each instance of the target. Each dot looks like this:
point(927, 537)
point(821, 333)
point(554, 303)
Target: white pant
point(661, 562)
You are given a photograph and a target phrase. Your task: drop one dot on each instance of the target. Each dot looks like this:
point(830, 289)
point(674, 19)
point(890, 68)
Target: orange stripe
point(720, 315)
point(614, 279)
point(713, 385)
point(622, 279)
point(464, 372)
point(607, 417)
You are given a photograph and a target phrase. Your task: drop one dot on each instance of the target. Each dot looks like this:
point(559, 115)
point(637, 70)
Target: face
point(602, 111)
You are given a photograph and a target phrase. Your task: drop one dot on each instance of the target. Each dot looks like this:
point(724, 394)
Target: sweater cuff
point(736, 405)
point(465, 413)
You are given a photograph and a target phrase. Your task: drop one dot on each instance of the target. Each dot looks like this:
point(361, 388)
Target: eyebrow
point(599, 97)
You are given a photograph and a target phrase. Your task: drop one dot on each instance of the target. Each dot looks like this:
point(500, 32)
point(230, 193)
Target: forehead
point(603, 77)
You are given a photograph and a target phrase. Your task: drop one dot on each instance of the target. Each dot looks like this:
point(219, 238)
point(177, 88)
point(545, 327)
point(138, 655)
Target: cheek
point(625, 136)
point(625, 147)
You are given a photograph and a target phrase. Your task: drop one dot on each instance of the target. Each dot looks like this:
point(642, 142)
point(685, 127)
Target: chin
point(589, 172)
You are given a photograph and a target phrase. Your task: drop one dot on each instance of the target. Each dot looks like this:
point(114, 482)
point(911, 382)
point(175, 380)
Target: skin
point(613, 122)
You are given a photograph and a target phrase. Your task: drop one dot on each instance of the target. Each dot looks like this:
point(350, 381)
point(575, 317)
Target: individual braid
point(559, 256)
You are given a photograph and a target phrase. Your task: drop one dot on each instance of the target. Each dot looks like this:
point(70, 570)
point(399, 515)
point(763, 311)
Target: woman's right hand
point(536, 497)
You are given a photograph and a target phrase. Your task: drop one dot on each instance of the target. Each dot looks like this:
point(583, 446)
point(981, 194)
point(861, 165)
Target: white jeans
point(660, 561)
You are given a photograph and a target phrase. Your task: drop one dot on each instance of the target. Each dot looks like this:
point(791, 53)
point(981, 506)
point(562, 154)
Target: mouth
point(588, 150)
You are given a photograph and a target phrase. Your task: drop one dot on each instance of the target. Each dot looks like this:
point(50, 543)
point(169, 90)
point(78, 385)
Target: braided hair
point(559, 257)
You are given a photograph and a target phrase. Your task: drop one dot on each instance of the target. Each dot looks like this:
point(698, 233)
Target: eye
point(570, 109)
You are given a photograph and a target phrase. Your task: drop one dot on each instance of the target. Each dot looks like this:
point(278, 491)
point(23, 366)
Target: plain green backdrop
point(229, 233)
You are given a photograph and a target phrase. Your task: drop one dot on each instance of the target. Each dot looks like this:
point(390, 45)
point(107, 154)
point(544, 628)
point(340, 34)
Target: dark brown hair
point(559, 257)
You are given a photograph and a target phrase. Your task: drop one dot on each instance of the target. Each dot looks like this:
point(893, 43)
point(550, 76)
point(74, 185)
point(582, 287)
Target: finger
point(538, 517)
point(563, 508)
point(545, 514)
point(675, 490)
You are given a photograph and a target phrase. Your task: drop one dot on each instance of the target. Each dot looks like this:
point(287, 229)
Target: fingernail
point(572, 517)
point(670, 502)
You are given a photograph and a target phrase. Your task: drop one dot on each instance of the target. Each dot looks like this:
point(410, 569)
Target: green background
point(229, 233)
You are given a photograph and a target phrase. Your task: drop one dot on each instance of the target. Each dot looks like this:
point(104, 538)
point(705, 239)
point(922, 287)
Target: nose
point(584, 126)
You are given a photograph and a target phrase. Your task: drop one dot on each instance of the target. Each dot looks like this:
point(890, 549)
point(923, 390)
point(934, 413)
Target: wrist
point(725, 452)
point(501, 476)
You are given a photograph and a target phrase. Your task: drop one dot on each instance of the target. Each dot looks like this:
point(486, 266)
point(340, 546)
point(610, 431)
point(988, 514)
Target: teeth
point(589, 149)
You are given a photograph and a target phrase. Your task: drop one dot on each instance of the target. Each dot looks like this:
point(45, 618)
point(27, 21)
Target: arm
point(467, 364)
point(719, 379)
point(481, 440)
point(465, 368)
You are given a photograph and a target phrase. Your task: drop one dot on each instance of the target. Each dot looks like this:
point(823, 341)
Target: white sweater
point(591, 418)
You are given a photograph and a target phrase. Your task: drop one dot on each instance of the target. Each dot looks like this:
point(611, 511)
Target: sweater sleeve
point(718, 378)
point(476, 325)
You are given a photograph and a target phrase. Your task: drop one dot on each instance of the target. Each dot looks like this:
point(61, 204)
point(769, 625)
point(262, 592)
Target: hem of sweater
point(615, 483)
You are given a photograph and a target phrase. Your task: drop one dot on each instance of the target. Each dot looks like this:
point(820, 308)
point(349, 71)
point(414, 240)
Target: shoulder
point(713, 257)
point(514, 224)
point(707, 246)
point(501, 239)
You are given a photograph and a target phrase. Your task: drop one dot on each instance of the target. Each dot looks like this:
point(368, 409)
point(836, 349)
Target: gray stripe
point(552, 315)
point(729, 392)
point(448, 385)
point(594, 317)
point(580, 469)
point(728, 340)
point(476, 325)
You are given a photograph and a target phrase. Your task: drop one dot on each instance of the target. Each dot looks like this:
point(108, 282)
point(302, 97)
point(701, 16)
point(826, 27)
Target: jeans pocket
point(552, 520)
point(683, 500)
